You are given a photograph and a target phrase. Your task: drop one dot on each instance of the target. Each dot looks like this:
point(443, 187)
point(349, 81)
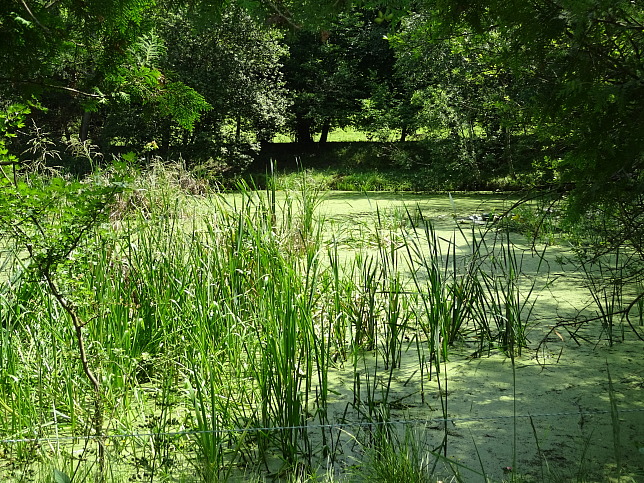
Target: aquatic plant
point(243, 336)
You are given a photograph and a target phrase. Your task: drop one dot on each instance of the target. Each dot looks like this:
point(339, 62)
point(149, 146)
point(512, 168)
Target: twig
point(24, 4)
point(51, 86)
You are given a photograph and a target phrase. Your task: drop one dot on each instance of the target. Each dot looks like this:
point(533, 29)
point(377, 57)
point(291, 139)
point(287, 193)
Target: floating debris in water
point(478, 219)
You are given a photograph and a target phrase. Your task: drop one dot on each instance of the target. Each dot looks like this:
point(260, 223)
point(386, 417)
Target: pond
point(334, 336)
point(546, 413)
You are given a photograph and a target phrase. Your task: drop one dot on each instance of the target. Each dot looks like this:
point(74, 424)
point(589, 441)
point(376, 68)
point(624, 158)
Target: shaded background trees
point(581, 66)
point(76, 61)
point(235, 65)
point(496, 81)
point(331, 73)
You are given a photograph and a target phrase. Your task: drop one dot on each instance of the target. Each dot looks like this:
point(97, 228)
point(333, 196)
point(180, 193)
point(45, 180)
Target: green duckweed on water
point(333, 337)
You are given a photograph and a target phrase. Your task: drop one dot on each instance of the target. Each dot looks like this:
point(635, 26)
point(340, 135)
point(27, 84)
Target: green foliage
point(235, 65)
point(45, 43)
point(569, 72)
point(428, 165)
point(11, 119)
point(50, 217)
point(140, 83)
point(398, 459)
point(60, 477)
point(148, 49)
point(330, 73)
point(207, 78)
point(220, 81)
point(91, 57)
point(183, 104)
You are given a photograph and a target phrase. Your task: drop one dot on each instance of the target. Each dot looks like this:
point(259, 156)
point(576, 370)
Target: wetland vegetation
point(304, 334)
point(283, 240)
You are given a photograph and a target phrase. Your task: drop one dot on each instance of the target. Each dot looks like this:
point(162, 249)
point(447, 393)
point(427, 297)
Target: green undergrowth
point(215, 324)
point(428, 165)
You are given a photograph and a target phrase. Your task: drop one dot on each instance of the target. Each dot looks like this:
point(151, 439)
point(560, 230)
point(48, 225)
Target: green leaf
point(60, 477)
point(129, 157)
point(22, 21)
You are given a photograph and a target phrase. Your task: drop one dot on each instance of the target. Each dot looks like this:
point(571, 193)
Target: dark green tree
point(331, 73)
point(461, 91)
point(77, 58)
point(585, 63)
point(235, 63)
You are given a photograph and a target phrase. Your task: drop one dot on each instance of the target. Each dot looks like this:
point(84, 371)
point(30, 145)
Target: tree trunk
point(303, 129)
point(507, 148)
point(403, 133)
point(84, 130)
point(238, 130)
point(165, 139)
point(326, 127)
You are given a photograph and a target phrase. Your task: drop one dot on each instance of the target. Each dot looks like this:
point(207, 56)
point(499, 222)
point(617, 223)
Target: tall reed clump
point(398, 458)
point(509, 296)
point(481, 293)
point(448, 295)
point(215, 326)
point(245, 294)
point(607, 276)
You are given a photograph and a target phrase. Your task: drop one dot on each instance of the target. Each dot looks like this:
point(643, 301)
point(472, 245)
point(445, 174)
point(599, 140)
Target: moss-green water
point(186, 301)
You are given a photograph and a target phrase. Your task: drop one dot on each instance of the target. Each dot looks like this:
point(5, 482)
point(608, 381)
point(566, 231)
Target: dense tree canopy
point(582, 61)
point(330, 73)
point(576, 68)
point(78, 56)
point(570, 73)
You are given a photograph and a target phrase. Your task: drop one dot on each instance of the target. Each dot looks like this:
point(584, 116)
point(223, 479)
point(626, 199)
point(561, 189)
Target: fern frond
point(148, 49)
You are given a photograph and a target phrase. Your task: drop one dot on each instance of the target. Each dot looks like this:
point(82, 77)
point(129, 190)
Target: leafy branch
point(49, 218)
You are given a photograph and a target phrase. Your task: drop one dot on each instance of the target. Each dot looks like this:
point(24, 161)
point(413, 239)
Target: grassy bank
point(429, 165)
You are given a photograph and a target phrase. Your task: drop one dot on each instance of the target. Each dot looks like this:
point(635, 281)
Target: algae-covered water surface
point(327, 336)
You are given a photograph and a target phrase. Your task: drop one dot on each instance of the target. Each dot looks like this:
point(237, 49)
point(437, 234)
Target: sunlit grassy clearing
point(348, 134)
point(351, 134)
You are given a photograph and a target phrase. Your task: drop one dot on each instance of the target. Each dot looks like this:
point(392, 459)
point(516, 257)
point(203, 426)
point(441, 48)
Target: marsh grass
point(606, 277)
point(510, 294)
point(225, 320)
point(398, 459)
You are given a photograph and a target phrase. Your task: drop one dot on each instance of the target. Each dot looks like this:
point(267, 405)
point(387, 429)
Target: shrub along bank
point(428, 165)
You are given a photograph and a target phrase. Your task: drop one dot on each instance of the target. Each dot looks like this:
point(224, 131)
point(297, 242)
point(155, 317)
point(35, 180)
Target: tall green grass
point(215, 328)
